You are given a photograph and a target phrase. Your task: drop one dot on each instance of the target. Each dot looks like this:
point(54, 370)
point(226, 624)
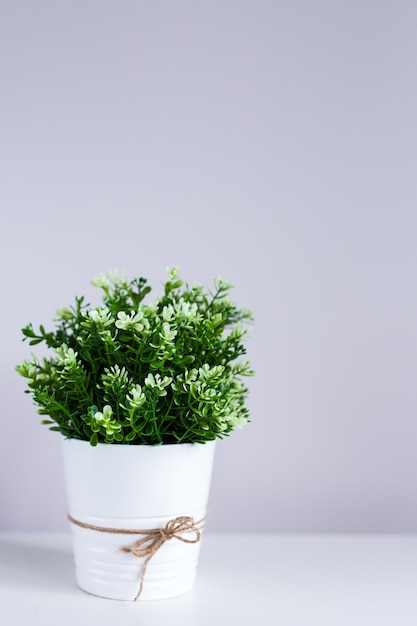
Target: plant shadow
point(36, 564)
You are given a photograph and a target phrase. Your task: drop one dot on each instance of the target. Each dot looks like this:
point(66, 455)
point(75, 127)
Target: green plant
point(137, 373)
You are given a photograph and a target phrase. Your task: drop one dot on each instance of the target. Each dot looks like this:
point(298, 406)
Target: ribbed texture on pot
point(103, 569)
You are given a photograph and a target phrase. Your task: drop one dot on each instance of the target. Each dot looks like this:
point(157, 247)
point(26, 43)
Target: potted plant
point(140, 392)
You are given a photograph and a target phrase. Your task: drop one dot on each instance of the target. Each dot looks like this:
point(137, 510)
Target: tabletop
point(243, 579)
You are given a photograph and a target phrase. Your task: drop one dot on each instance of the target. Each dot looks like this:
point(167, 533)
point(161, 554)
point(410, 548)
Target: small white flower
point(66, 356)
point(100, 316)
point(104, 418)
point(117, 277)
point(209, 374)
point(27, 369)
point(94, 315)
point(134, 321)
point(237, 422)
point(185, 381)
point(150, 380)
point(134, 399)
point(136, 394)
point(168, 313)
point(106, 414)
point(222, 285)
point(173, 273)
point(115, 373)
point(186, 311)
point(65, 314)
point(101, 281)
point(158, 383)
point(168, 334)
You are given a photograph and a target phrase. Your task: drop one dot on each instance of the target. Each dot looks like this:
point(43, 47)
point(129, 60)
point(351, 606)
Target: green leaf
point(67, 389)
point(28, 331)
point(125, 338)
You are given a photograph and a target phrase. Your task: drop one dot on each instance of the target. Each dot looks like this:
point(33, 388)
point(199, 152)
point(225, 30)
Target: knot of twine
point(152, 539)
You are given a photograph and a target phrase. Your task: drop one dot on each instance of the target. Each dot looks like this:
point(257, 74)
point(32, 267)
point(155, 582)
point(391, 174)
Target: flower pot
point(115, 490)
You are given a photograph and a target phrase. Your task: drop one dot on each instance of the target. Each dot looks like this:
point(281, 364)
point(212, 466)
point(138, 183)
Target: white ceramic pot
point(135, 487)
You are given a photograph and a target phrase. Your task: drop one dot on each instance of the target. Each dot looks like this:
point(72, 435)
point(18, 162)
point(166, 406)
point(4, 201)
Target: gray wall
point(271, 143)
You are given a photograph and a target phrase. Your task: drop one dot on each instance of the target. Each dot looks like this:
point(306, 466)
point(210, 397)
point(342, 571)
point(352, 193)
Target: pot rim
point(138, 445)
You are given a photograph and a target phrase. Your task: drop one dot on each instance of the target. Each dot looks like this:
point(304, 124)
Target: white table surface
point(279, 580)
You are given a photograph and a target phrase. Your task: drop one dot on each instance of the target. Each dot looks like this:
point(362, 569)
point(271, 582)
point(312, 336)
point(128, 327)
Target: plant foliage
point(135, 373)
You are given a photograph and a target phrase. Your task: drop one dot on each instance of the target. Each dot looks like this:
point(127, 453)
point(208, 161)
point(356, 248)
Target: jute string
point(152, 539)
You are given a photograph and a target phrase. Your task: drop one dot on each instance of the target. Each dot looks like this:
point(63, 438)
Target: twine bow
point(152, 539)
